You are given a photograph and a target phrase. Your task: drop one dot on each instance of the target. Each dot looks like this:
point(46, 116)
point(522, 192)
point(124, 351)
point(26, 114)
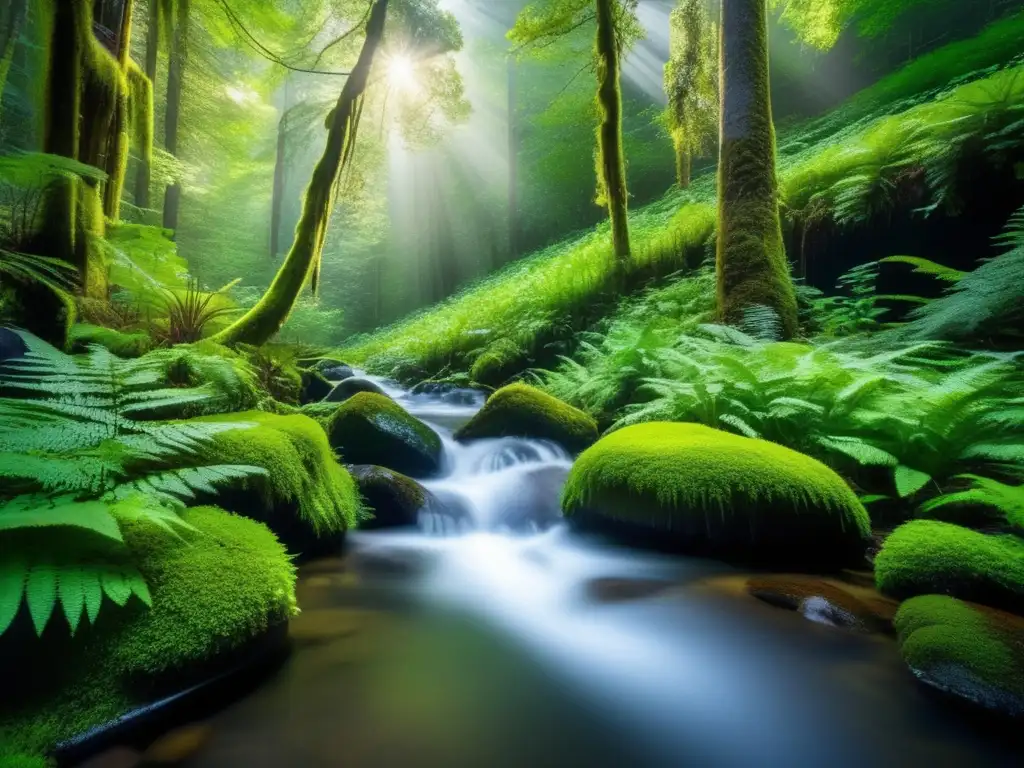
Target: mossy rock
point(306, 497)
point(315, 387)
point(690, 487)
point(215, 589)
point(353, 386)
point(120, 343)
point(925, 557)
point(329, 368)
point(965, 650)
point(520, 410)
point(374, 429)
point(394, 499)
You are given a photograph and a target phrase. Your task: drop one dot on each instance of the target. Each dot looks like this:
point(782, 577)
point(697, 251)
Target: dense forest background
point(485, 157)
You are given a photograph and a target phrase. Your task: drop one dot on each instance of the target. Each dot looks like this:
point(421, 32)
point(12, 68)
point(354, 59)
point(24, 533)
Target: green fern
point(81, 453)
point(1007, 500)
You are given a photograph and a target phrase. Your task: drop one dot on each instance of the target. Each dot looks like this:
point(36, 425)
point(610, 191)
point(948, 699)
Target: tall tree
point(177, 61)
point(12, 18)
point(144, 171)
point(543, 24)
point(751, 262)
point(691, 84)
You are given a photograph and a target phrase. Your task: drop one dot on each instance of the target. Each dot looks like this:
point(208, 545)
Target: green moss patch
point(713, 492)
point(214, 590)
point(926, 557)
point(965, 650)
point(373, 429)
point(395, 499)
point(520, 410)
point(120, 343)
point(306, 494)
point(351, 386)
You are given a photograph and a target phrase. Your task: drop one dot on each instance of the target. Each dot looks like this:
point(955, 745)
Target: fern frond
point(38, 511)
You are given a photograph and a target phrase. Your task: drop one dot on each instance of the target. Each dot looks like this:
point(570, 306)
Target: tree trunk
point(277, 199)
point(683, 162)
point(142, 175)
point(172, 115)
point(12, 20)
point(261, 322)
point(611, 166)
point(751, 263)
point(116, 164)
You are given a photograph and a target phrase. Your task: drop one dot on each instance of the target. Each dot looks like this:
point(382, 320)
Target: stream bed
point(480, 644)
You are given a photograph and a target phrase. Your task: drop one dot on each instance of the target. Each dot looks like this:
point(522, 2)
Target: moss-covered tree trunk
point(261, 322)
point(683, 161)
point(611, 166)
point(11, 20)
point(143, 173)
point(116, 164)
point(751, 263)
point(172, 114)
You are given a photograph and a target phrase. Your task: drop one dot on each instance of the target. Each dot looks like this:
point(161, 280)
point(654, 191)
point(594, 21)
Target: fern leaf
point(117, 583)
point(12, 587)
point(41, 594)
point(927, 267)
point(739, 425)
point(35, 511)
point(71, 590)
point(859, 450)
point(92, 593)
point(909, 481)
point(140, 588)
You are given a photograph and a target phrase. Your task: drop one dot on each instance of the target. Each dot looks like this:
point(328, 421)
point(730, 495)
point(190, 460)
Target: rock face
point(966, 651)
point(332, 370)
point(536, 505)
point(352, 386)
point(928, 557)
point(396, 500)
point(315, 387)
point(373, 429)
point(690, 487)
point(11, 345)
point(520, 410)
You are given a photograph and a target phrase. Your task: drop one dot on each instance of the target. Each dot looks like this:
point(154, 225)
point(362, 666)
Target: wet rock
point(618, 590)
point(315, 387)
point(374, 429)
point(177, 746)
point(350, 387)
point(329, 368)
point(825, 601)
point(389, 561)
point(11, 346)
point(971, 654)
point(396, 500)
point(453, 393)
point(535, 505)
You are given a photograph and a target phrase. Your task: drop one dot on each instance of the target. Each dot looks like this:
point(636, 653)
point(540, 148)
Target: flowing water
point(496, 638)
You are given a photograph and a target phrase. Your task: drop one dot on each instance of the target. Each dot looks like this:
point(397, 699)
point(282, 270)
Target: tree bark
point(683, 163)
point(172, 114)
point(611, 165)
point(117, 142)
point(261, 322)
point(143, 173)
point(751, 262)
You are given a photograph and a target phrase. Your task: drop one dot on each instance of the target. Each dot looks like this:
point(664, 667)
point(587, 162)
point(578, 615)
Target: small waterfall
point(507, 484)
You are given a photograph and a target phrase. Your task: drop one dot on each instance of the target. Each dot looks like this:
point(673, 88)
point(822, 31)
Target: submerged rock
point(352, 386)
point(826, 601)
point(690, 487)
point(374, 429)
point(396, 500)
point(520, 410)
point(969, 652)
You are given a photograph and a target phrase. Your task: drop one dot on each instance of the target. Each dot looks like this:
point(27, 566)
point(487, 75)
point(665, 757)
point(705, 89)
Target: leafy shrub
point(78, 460)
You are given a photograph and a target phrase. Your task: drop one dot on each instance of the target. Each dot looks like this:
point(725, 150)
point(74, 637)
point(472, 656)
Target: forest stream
point(487, 647)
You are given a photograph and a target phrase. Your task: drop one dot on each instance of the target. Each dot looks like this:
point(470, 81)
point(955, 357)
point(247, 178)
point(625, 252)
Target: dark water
point(496, 651)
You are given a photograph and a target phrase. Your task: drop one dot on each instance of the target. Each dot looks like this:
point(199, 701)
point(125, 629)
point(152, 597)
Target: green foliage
point(925, 557)
point(520, 410)
point(119, 343)
point(190, 312)
point(720, 493)
point(983, 303)
point(856, 311)
point(1005, 500)
point(276, 371)
point(965, 650)
point(313, 322)
point(300, 470)
point(78, 460)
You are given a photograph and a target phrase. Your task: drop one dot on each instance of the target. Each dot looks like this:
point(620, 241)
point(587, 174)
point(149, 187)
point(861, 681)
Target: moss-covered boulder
point(374, 429)
point(395, 500)
point(520, 410)
point(329, 368)
point(926, 557)
point(353, 386)
point(121, 343)
point(315, 387)
point(964, 650)
point(306, 497)
point(215, 590)
point(702, 490)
